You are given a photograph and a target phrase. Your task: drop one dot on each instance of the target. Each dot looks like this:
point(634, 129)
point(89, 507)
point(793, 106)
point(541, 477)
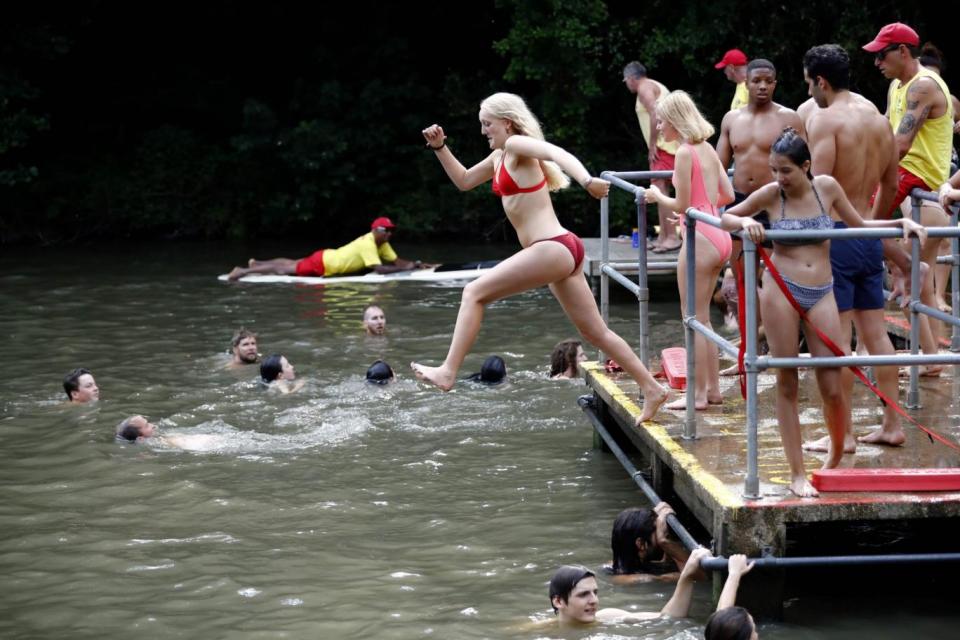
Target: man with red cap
point(921, 114)
point(734, 65)
point(369, 251)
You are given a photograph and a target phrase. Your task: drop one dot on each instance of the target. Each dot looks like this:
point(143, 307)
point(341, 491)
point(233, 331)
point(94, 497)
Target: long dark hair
point(629, 525)
point(790, 144)
point(564, 356)
point(271, 367)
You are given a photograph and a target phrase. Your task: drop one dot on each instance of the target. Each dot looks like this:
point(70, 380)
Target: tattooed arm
point(923, 97)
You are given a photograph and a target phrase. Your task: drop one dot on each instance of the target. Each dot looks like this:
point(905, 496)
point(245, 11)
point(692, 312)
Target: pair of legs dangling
point(783, 332)
point(541, 263)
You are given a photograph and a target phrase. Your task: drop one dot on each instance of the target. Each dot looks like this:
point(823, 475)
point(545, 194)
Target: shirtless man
point(574, 597)
point(374, 321)
point(746, 136)
point(851, 141)
point(80, 386)
point(660, 153)
point(921, 115)
point(244, 346)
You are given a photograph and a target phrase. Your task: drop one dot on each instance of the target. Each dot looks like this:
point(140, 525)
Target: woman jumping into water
point(700, 182)
point(798, 201)
point(524, 168)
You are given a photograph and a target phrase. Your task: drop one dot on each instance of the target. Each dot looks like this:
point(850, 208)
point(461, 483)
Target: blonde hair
point(508, 106)
point(679, 110)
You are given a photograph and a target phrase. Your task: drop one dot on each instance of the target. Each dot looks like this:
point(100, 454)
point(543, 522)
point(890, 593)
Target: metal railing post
point(643, 295)
point(604, 259)
point(751, 486)
point(955, 282)
point(913, 395)
point(689, 335)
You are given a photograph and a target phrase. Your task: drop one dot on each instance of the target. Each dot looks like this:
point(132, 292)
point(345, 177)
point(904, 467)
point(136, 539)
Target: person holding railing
point(798, 201)
point(524, 169)
point(701, 182)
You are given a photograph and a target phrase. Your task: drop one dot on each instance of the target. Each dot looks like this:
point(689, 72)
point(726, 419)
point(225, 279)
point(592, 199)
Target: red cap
point(896, 33)
point(735, 57)
point(384, 222)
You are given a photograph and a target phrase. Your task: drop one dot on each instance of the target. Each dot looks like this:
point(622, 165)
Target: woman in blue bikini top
point(804, 202)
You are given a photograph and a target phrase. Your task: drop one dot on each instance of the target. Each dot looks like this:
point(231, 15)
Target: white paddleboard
point(418, 275)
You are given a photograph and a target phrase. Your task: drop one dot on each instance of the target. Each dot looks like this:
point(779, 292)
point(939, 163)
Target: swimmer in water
point(244, 347)
point(374, 321)
point(137, 429)
point(643, 549)
point(566, 356)
point(730, 622)
point(80, 387)
point(277, 372)
point(524, 169)
point(493, 372)
point(576, 603)
point(380, 373)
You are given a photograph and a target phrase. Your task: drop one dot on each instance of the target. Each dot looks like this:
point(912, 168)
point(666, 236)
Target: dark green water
point(342, 511)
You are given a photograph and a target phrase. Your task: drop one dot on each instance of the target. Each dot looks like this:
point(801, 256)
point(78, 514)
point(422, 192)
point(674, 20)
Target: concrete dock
point(707, 474)
point(624, 257)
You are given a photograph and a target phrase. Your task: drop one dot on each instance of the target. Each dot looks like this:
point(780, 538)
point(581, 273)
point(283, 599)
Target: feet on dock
point(653, 399)
point(890, 437)
point(822, 445)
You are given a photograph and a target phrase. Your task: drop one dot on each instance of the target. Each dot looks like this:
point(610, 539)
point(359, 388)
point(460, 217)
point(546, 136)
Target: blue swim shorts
point(857, 272)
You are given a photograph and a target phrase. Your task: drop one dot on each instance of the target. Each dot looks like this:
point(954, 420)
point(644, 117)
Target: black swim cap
point(493, 371)
point(379, 373)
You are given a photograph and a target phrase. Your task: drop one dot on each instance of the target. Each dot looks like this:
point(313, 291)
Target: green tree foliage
point(216, 120)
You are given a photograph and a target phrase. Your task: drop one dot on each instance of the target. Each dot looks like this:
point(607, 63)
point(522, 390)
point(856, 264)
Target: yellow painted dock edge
point(720, 493)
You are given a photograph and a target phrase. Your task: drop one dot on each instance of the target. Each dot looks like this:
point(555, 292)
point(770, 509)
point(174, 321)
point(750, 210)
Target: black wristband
point(433, 148)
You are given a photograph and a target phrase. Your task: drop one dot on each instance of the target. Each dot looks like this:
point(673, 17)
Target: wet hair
point(634, 70)
point(271, 367)
point(730, 623)
point(509, 106)
point(564, 356)
point(71, 382)
point(379, 373)
point(629, 525)
point(493, 371)
point(761, 63)
point(830, 62)
point(565, 579)
point(931, 56)
point(127, 431)
point(791, 145)
point(240, 335)
point(681, 112)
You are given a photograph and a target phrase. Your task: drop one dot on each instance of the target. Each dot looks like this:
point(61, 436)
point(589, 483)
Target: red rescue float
point(674, 362)
point(905, 480)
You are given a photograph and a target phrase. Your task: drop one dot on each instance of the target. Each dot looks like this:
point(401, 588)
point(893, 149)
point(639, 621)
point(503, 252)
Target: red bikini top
point(503, 184)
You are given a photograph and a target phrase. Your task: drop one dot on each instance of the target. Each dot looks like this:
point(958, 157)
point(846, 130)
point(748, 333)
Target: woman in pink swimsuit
point(524, 169)
point(700, 182)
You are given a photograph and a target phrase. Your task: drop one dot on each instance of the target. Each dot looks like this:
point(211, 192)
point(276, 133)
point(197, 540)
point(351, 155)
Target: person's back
point(864, 146)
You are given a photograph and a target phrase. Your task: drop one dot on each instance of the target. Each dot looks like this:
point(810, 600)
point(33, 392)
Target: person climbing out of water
point(371, 251)
point(524, 168)
point(576, 603)
point(800, 201)
point(643, 548)
point(730, 622)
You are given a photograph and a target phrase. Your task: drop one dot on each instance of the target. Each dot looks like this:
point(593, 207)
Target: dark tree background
point(233, 119)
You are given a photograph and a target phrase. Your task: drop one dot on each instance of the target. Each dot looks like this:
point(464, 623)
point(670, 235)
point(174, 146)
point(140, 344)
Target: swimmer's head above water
point(80, 386)
point(244, 346)
point(493, 371)
point(573, 594)
point(730, 623)
point(276, 367)
point(633, 542)
point(135, 428)
point(380, 373)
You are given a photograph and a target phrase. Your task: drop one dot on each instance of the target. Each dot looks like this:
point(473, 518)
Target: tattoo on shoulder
point(912, 104)
point(907, 124)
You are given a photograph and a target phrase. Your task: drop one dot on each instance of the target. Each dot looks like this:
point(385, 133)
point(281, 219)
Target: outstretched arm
point(464, 179)
point(679, 604)
point(736, 567)
point(543, 150)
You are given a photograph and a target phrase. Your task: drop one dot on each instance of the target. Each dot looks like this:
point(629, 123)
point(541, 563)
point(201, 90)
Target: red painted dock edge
point(674, 362)
point(887, 479)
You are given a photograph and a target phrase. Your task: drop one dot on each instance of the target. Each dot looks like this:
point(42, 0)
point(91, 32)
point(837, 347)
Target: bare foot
point(944, 306)
point(732, 370)
point(926, 371)
point(236, 273)
point(823, 444)
point(714, 398)
point(681, 405)
point(437, 376)
point(893, 437)
point(652, 403)
point(803, 489)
